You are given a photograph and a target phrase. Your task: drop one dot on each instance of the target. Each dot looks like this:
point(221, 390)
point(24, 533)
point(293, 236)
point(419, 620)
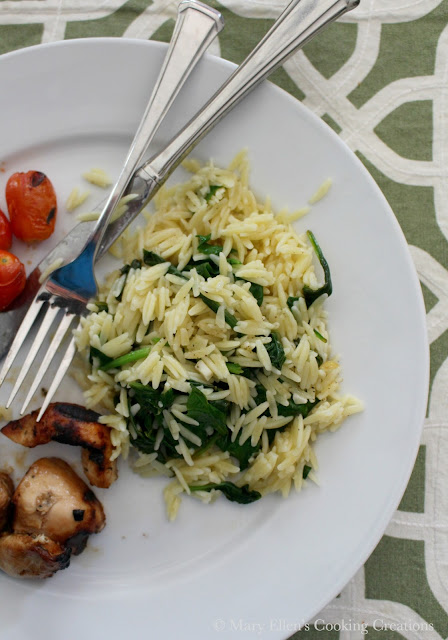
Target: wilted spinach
point(293, 409)
point(101, 306)
point(242, 452)
point(102, 357)
point(234, 368)
point(205, 268)
point(311, 295)
point(211, 192)
point(150, 259)
point(124, 271)
point(276, 351)
point(214, 306)
point(306, 470)
point(242, 495)
point(206, 248)
point(208, 414)
point(257, 292)
point(151, 400)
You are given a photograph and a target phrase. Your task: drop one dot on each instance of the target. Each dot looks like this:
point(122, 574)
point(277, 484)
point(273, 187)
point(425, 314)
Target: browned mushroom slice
point(6, 491)
point(70, 424)
point(53, 500)
point(26, 556)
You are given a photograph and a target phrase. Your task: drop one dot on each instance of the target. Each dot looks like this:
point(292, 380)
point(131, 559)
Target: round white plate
point(70, 106)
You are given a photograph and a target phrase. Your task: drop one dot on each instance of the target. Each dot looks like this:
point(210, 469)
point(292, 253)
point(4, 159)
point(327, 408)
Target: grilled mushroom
point(70, 424)
point(6, 491)
point(27, 556)
point(52, 500)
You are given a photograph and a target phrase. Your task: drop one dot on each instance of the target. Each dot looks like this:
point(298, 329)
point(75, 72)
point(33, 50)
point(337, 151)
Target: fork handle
point(197, 24)
point(299, 22)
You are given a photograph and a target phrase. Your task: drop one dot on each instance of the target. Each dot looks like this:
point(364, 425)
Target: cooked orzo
point(208, 352)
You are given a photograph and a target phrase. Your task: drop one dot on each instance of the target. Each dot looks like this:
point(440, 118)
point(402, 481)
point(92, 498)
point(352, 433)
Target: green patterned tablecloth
point(379, 77)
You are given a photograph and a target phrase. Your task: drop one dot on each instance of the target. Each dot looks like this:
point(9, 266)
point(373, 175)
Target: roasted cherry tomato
point(32, 206)
point(5, 232)
point(12, 278)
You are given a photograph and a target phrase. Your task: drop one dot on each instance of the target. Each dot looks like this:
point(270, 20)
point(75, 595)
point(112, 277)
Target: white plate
point(69, 106)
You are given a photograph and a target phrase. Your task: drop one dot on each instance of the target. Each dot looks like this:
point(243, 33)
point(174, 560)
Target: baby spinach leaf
point(145, 439)
point(214, 306)
point(205, 268)
point(135, 264)
point(211, 192)
point(294, 409)
point(101, 306)
point(207, 443)
point(206, 248)
point(195, 383)
point(276, 351)
point(235, 368)
point(146, 436)
point(150, 259)
point(257, 292)
point(96, 353)
point(312, 294)
point(242, 495)
point(124, 271)
point(206, 413)
point(261, 394)
point(242, 452)
point(306, 470)
point(255, 289)
point(290, 301)
point(151, 399)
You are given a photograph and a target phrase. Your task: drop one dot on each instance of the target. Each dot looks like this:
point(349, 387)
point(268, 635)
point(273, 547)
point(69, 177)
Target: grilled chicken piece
point(70, 424)
point(6, 491)
point(26, 556)
point(52, 500)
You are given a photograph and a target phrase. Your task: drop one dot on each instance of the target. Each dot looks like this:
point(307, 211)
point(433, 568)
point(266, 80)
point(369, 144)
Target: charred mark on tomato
point(78, 515)
point(37, 178)
point(51, 215)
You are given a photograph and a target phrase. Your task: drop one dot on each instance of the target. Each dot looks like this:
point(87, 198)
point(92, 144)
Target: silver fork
point(66, 292)
point(299, 23)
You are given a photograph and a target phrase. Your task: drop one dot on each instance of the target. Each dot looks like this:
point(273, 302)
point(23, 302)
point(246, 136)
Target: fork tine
point(21, 334)
point(45, 325)
point(60, 373)
point(53, 347)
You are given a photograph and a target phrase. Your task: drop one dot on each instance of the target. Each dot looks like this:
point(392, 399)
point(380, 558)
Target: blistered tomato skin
point(32, 206)
point(12, 278)
point(5, 232)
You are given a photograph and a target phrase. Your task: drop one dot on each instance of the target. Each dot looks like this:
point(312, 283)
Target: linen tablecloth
point(379, 78)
